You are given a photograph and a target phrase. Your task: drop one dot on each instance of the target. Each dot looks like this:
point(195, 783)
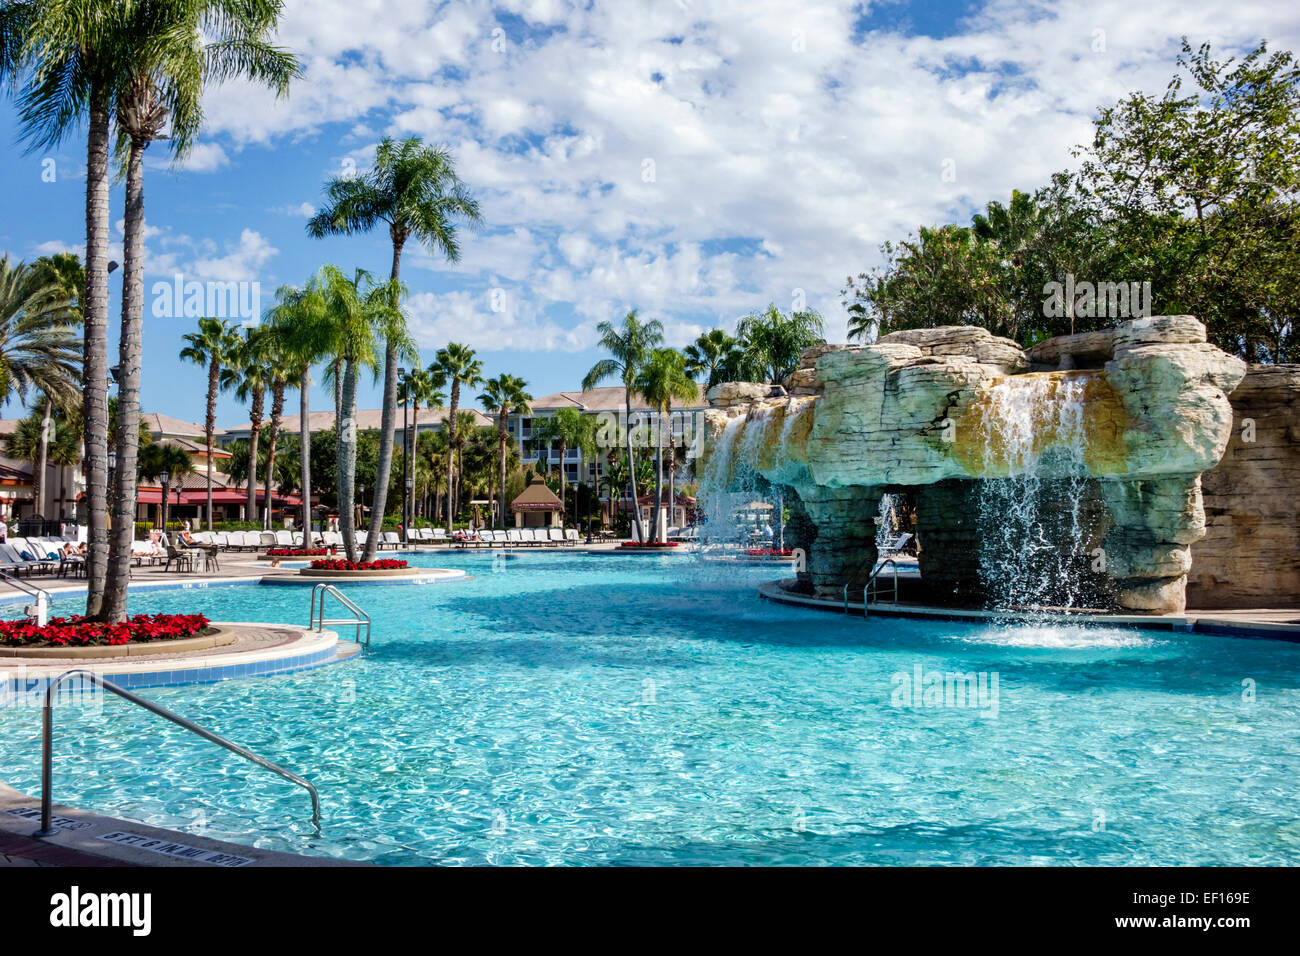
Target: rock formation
point(1137, 413)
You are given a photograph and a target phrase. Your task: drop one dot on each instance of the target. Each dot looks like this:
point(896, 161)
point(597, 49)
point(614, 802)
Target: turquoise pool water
point(563, 709)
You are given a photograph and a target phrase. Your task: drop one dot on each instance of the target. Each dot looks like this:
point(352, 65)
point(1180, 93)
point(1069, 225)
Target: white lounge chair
point(571, 536)
point(390, 539)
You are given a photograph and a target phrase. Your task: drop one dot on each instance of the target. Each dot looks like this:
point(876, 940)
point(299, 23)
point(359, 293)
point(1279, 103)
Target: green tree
point(421, 387)
point(1199, 185)
point(662, 380)
point(629, 346)
point(215, 345)
point(39, 348)
point(356, 314)
point(248, 374)
point(569, 428)
point(715, 355)
point(161, 458)
point(504, 396)
point(772, 342)
point(413, 189)
point(169, 51)
point(460, 367)
point(65, 57)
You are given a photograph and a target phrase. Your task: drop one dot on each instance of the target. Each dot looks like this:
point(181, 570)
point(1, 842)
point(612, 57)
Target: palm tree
point(772, 342)
point(160, 459)
point(66, 58)
point(164, 69)
point(420, 386)
point(303, 335)
point(42, 437)
point(458, 364)
point(662, 380)
point(465, 423)
point(39, 351)
point(629, 347)
point(248, 375)
point(504, 396)
point(354, 313)
point(217, 346)
point(714, 355)
point(570, 428)
point(415, 190)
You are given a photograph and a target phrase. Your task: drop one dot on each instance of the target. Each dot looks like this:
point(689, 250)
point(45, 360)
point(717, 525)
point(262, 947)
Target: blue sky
point(694, 159)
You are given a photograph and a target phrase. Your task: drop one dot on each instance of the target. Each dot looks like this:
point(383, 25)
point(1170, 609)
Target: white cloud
point(770, 126)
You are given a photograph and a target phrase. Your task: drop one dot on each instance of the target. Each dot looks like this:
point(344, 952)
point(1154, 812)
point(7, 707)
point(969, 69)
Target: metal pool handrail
point(358, 620)
point(35, 590)
point(47, 745)
point(871, 583)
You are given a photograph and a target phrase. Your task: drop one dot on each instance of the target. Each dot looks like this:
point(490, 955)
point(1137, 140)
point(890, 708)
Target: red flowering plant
point(341, 564)
point(298, 552)
point(79, 632)
point(649, 544)
point(769, 552)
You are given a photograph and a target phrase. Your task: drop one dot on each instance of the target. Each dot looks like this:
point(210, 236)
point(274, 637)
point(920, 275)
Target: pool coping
point(1194, 622)
point(84, 838)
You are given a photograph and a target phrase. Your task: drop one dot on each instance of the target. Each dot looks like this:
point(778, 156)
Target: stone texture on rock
point(923, 407)
point(1250, 555)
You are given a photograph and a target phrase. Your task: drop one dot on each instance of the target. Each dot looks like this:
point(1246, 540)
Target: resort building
point(527, 430)
point(368, 419)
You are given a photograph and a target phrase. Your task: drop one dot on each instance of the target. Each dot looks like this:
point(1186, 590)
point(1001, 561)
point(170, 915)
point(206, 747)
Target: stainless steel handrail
point(47, 745)
point(871, 583)
point(42, 596)
point(358, 620)
point(877, 567)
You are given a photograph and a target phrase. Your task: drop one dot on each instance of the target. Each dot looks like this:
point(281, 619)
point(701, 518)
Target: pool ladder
point(359, 618)
point(38, 612)
point(47, 745)
point(872, 586)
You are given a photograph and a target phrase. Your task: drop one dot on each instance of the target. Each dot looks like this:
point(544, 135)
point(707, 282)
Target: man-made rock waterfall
point(1062, 476)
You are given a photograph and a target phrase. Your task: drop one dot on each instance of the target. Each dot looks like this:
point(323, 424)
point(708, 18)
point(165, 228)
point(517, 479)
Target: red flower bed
point(341, 564)
point(298, 552)
point(78, 632)
point(649, 544)
point(769, 553)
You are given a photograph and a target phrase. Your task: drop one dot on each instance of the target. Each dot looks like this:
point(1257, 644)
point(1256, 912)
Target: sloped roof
point(604, 399)
point(160, 424)
point(537, 497)
point(367, 419)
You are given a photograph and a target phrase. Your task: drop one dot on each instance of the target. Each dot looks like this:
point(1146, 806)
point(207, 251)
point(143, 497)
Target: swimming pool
point(571, 709)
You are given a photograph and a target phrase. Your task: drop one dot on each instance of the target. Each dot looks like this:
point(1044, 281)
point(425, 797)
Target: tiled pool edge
point(1189, 623)
point(21, 680)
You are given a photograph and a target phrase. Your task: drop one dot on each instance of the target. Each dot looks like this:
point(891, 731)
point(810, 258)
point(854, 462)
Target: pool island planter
point(212, 637)
point(362, 573)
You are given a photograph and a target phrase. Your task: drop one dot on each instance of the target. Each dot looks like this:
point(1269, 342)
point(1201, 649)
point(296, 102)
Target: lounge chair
point(184, 560)
point(556, 535)
point(571, 536)
point(283, 538)
point(390, 539)
point(890, 549)
point(267, 540)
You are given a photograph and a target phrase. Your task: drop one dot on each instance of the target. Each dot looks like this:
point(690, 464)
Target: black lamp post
point(164, 477)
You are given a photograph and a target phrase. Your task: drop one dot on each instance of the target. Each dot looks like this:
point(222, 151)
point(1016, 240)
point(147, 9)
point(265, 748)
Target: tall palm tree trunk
point(210, 427)
point(564, 479)
point(277, 414)
point(95, 362)
point(451, 449)
point(304, 451)
point(346, 464)
point(254, 439)
point(387, 424)
point(501, 439)
point(672, 471)
point(43, 456)
point(659, 478)
point(130, 350)
point(631, 466)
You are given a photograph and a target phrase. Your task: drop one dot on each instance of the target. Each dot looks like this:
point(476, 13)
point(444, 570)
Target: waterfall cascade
point(1038, 509)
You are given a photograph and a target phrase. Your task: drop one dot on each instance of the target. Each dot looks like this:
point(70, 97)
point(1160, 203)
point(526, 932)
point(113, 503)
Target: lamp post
point(164, 477)
point(361, 496)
